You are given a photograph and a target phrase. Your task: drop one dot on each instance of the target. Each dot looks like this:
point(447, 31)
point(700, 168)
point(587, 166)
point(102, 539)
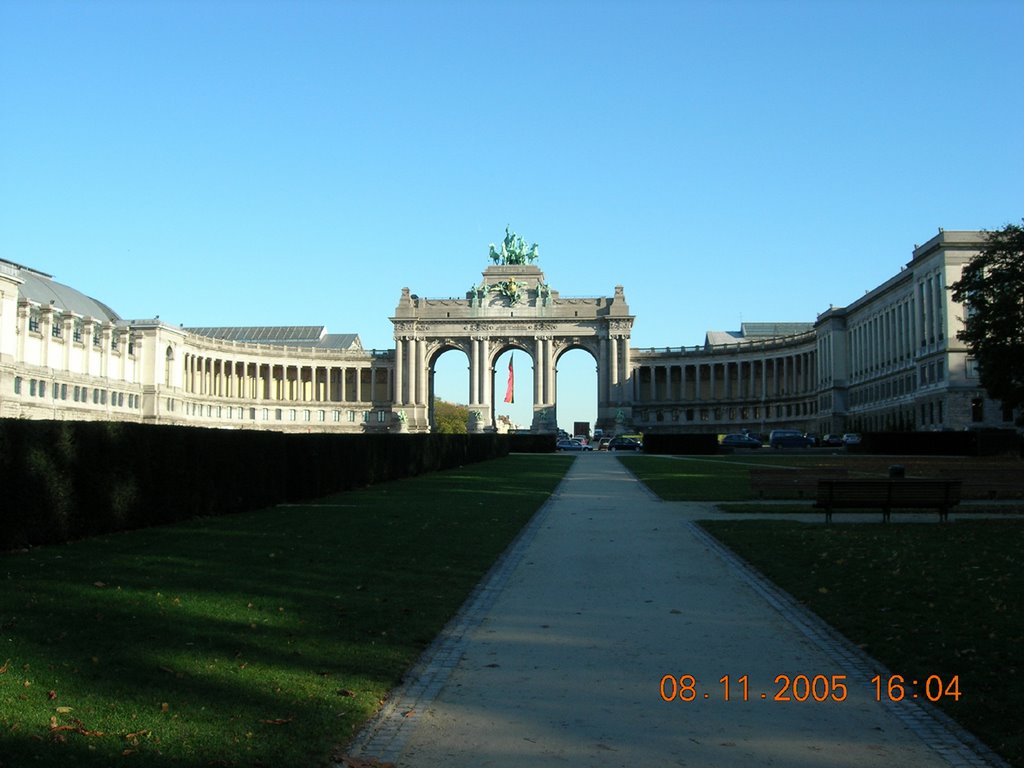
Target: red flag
point(509, 396)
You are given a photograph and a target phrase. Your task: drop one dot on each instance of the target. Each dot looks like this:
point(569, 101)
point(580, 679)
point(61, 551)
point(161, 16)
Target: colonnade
point(413, 356)
point(248, 380)
point(762, 378)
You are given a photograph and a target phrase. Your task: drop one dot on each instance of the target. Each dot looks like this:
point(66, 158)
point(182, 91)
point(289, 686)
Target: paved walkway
point(557, 658)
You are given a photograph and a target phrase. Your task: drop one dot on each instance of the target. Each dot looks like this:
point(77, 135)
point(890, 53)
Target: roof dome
point(43, 289)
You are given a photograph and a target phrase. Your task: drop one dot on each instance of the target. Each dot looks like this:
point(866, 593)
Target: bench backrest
point(889, 493)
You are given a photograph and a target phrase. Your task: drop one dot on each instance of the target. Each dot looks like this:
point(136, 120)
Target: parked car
point(789, 438)
point(851, 438)
point(602, 444)
point(832, 441)
point(569, 445)
point(625, 444)
point(740, 441)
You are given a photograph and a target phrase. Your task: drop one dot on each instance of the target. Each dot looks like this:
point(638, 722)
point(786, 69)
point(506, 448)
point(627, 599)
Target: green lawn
point(259, 639)
point(723, 478)
point(923, 599)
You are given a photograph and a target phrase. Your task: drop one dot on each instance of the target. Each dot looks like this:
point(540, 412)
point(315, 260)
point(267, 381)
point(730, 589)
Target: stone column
point(538, 372)
point(410, 371)
point(474, 372)
point(399, 373)
point(486, 379)
point(602, 372)
point(423, 376)
point(615, 391)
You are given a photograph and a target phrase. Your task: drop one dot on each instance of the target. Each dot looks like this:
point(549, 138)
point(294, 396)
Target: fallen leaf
point(63, 710)
point(52, 695)
point(278, 721)
point(99, 584)
point(5, 667)
point(346, 692)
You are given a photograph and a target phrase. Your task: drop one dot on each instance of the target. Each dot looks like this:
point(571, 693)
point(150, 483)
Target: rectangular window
point(351, 415)
point(291, 414)
point(337, 415)
point(32, 387)
point(97, 337)
point(33, 321)
point(63, 391)
point(56, 328)
point(17, 385)
point(76, 333)
point(380, 417)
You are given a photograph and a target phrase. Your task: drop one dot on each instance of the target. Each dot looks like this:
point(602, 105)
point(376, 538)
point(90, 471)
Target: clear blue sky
point(257, 163)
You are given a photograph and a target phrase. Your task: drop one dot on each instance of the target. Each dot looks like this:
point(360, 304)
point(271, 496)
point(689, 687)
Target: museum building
point(888, 361)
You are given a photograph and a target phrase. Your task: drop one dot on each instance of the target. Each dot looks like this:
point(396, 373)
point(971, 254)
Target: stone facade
point(58, 363)
point(511, 308)
point(889, 360)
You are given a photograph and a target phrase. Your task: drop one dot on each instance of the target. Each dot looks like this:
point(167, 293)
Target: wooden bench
point(779, 483)
point(888, 495)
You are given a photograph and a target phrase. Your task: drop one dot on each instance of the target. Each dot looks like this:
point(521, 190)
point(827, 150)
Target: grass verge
point(790, 508)
point(922, 599)
point(263, 639)
point(692, 479)
point(727, 478)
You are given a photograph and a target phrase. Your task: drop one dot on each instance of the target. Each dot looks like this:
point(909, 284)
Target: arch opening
point(513, 365)
point(576, 389)
point(449, 391)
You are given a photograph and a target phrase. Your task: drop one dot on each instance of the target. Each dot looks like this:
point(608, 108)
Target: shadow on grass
point(256, 639)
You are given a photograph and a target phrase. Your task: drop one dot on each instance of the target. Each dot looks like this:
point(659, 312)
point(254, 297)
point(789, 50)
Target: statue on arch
point(513, 250)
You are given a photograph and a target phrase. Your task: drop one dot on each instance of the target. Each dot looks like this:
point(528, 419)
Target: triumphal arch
point(512, 308)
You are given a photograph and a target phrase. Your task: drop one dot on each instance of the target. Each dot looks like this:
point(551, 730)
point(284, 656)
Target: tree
point(992, 288)
point(450, 418)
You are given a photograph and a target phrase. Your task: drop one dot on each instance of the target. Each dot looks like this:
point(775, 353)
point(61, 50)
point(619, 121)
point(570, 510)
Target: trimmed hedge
point(680, 443)
point(539, 443)
point(62, 480)
point(983, 442)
